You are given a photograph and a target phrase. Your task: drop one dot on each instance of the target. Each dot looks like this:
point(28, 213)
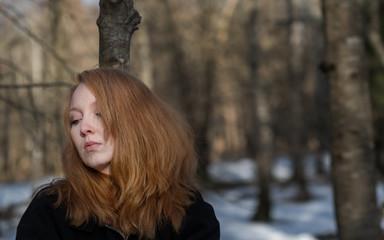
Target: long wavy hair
point(152, 172)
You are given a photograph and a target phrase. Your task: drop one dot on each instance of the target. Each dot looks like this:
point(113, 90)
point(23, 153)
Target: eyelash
point(76, 121)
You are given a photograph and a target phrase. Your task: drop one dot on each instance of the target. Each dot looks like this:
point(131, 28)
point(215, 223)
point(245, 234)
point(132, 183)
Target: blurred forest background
point(198, 55)
point(202, 57)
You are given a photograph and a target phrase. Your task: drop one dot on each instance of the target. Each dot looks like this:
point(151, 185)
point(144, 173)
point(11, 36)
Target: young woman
point(129, 169)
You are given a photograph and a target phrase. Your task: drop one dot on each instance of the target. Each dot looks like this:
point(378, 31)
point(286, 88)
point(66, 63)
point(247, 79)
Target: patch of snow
point(242, 170)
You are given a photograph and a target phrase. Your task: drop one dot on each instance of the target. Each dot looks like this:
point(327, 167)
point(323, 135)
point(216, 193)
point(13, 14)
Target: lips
point(91, 146)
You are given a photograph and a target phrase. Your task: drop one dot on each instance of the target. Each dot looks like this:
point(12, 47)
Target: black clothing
point(43, 221)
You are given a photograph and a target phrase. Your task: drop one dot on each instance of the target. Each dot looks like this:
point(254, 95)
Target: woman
point(129, 168)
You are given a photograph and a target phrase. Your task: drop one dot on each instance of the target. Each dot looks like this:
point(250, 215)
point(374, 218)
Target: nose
point(87, 126)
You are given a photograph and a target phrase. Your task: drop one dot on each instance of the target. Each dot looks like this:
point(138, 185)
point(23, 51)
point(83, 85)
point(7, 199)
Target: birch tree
point(351, 127)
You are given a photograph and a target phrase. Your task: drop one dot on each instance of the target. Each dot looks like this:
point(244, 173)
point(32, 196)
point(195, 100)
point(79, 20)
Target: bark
point(117, 22)
point(352, 135)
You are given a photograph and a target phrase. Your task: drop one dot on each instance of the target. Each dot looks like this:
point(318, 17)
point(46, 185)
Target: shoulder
point(40, 217)
point(200, 208)
point(201, 220)
point(200, 223)
point(42, 201)
point(44, 196)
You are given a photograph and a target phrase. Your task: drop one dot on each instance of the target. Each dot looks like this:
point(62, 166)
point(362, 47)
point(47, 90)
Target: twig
point(49, 49)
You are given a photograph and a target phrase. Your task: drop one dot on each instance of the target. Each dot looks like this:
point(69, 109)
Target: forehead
point(82, 95)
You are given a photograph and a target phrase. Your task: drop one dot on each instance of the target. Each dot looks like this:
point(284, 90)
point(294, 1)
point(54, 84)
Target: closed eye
point(74, 122)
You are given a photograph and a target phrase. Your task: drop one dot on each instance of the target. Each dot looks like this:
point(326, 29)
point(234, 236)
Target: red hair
point(152, 174)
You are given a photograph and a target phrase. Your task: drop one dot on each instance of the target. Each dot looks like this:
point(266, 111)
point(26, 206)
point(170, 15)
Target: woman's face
point(87, 131)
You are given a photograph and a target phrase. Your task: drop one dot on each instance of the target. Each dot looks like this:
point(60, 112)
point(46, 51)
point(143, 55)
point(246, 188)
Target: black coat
point(42, 220)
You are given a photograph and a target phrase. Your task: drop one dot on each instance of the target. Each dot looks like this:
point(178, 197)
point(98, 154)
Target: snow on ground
point(15, 196)
point(235, 206)
point(291, 220)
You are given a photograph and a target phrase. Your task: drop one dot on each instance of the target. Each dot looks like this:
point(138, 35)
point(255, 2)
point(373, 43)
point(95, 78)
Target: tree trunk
point(374, 36)
point(36, 97)
point(60, 41)
point(376, 43)
point(5, 136)
point(297, 62)
point(117, 22)
point(352, 135)
point(268, 64)
point(196, 111)
point(145, 49)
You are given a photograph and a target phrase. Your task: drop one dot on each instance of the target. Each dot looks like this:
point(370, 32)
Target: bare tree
point(352, 135)
point(376, 68)
point(219, 88)
point(268, 64)
point(144, 48)
point(4, 138)
point(298, 63)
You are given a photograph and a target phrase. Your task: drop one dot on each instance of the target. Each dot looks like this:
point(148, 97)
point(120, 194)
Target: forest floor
point(233, 195)
point(291, 219)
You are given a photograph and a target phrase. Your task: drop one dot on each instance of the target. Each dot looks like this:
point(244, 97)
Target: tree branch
point(374, 37)
point(34, 85)
point(22, 108)
point(376, 42)
point(49, 49)
point(27, 76)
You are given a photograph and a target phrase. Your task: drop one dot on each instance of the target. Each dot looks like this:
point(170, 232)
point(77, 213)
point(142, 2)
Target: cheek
point(110, 148)
point(111, 145)
point(100, 128)
point(75, 138)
